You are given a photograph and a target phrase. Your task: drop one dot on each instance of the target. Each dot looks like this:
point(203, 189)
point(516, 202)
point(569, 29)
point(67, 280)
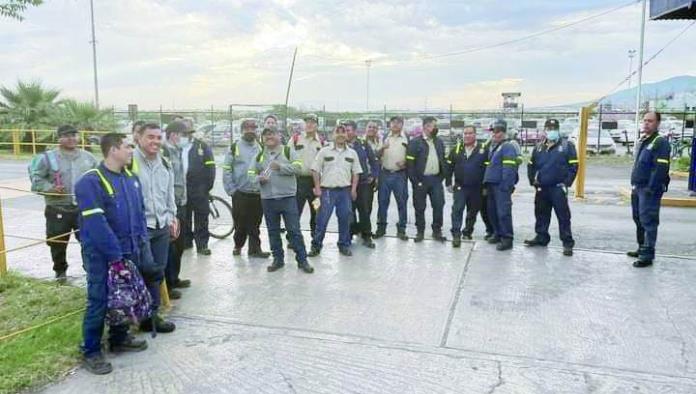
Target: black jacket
point(417, 157)
point(468, 171)
point(200, 177)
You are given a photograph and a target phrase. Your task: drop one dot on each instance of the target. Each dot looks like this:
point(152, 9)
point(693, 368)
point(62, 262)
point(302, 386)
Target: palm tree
point(29, 105)
point(83, 115)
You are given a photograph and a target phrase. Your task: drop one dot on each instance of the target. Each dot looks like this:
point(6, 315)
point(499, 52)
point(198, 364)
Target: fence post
point(582, 151)
point(15, 142)
point(33, 142)
point(3, 255)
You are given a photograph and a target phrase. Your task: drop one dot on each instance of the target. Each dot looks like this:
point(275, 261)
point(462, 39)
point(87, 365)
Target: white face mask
point(183, 141)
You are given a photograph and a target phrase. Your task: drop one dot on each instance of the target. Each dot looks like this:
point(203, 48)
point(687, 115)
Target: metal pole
point(368, 63)
point(287, 93)
point(94, 55)
point(640, 68)
point(631, 55)
point(3, 255)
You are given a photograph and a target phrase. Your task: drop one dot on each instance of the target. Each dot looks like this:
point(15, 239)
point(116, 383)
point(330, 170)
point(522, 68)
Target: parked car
point(217, 134)
point(598, 141)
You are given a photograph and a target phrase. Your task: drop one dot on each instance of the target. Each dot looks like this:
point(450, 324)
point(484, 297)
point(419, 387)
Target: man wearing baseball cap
point(55, 173)
point(551, 171)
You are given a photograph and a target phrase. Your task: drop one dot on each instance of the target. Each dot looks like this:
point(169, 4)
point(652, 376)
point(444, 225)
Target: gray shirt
point(157, 181)
point(59, 167)
point(281, 182)
point(175, 156)
point(239, 168)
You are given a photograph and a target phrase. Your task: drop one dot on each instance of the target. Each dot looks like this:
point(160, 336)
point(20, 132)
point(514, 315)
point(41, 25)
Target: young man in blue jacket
point(425, 162)
point(649, 180)
point(112, 228)
point(551, 171)
point(467, 162)
point(500, 179)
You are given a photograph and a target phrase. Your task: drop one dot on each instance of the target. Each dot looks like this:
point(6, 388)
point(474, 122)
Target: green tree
point(83, 115)
point(15, 8)
point(28, 105)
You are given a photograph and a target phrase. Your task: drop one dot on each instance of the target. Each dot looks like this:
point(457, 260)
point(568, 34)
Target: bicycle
point(680, 146)
point(220, 223)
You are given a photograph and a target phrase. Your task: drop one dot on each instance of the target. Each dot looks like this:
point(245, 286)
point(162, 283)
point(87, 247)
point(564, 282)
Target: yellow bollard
point(3, 255)
point(585, 113)
point(164, 295)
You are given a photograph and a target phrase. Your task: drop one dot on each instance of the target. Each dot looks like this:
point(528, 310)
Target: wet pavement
point(418, 318)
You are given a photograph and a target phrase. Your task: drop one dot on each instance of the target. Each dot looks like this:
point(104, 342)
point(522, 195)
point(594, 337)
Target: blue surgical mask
point(553, 135)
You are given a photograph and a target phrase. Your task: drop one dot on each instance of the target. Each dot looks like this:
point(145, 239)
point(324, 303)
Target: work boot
point(259, 254)
point(493, 240)
point(642, 263)
point(633, 254)
point(61, 277)
point(204, 251)
point(467, 237)
point(401, 234)
point(237, 251)
point(533, 242)
point(314, 252)
point(419, 237)
point(174, 294)
point(97, 364)
point(345, 251)
point(182, 284)
point(161, 325)
point(567, 250)
point(488, 236)
point(456, 241)
point(129, 345)
point(437, 236)
point(275, 266)
point(380, 233)
point(367, 242)
point(505, 244)
point(305, 267)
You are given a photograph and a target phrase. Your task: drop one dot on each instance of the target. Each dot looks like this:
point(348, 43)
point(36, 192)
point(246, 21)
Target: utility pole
point(368, 64)
point(640, 69)
point(287, 93)
point(631, 55)
point(94, 55)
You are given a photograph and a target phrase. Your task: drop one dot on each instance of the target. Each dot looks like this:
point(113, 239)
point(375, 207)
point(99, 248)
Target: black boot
point(534, 242)
point(437, 236)
point(367, 242)
point(381, 232)
point(493, 240)
point(633, 254)
point(97, 365)
point(642, 263)
point(401, 234)
point(129, 345)
point(419, 237)
point(505, 244)
point(314, 252)
point(275, 266)
point(305, 267)
point(467, 236)
point(456, 241)
point(161, 325)
point(568, 251)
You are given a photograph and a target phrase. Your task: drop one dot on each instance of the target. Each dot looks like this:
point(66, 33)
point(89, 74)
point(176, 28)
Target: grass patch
point(38, 356)
point(681, 164)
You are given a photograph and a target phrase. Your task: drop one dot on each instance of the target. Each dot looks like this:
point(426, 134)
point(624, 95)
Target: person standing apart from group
point(239, 179)
point(649, 180)
point(393, 179)
point(55, 172)
point(336, 171)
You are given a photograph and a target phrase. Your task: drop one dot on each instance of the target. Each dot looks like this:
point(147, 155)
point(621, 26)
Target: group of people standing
point(147, 201)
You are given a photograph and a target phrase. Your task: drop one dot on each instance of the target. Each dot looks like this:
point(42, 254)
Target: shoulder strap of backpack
point(52, 160)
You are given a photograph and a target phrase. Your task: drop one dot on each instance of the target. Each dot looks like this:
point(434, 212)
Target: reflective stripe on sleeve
point(573, 161)
point(410, 157)
point(90, 212)
point(663, 161)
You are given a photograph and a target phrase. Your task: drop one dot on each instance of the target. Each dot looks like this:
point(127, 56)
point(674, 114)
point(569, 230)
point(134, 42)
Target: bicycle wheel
point(220, 222)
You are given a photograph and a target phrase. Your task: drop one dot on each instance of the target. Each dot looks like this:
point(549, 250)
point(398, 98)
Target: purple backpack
point(128, 298)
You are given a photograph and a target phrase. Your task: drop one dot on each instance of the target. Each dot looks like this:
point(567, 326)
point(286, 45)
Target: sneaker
point(161, 325)
point(182, 284)
point(345, 251)
point(275, 266)
point(259, 254)
point(633, 254)
point(174, 294)
point(642, 263)
point(314, 252)
point(367, 242)
point(306, 268)
point(129, 345)
point(97, 365)
point(204, 251)
point(567, 251)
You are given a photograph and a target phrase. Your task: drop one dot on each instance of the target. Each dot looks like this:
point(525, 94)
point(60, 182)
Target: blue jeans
point(340, 199)
point(273, 210)
point(392, 182)
point(153, 273)
point(500, 210)
point(645, 204)
point(431, 186)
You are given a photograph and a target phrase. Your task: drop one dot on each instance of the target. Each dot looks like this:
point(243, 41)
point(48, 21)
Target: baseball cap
point(311, 117)
point(499, 124)
point(66, 130)
point(551, 124)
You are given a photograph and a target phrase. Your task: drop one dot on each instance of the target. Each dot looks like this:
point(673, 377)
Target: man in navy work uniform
point(277, 166)
point(370, 171)
point(466, 161)
point(112, 228)
point(336, 170)
point(55, 172)
point(500, 179)
point(425, 160)
point(649, 180)
point(551, 171)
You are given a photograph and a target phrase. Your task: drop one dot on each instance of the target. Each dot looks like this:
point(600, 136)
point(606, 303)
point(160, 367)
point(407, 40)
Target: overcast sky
point(194, 54)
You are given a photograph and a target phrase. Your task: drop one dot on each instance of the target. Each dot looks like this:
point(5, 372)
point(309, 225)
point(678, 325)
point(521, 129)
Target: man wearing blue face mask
point(551, 171)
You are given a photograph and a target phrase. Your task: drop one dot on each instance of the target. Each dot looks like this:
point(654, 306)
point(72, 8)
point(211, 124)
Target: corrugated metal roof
point(672, 9)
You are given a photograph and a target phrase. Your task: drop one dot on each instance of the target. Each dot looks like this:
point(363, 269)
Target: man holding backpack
point(112, 230)
point(55, 173)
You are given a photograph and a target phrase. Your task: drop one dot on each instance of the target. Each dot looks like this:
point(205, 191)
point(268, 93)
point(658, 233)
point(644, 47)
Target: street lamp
point(631, 55)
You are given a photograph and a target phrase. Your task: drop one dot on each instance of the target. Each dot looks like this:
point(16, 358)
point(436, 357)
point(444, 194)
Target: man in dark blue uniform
point(500, 179)
point(551, 171)
point(649, 180)
point(425, 162)
point(466, 161)
point(112, 228)
point(199, 167)
point(366, 185)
